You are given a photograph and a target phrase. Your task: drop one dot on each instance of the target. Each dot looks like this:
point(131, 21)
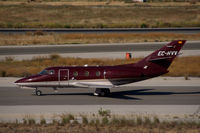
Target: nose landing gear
point(38, 92)
point(102, 92)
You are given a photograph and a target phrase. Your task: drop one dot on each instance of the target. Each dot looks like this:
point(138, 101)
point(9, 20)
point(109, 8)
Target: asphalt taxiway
point(100, 30)
point(90, 48)
point(142, 95)
point(158, 91)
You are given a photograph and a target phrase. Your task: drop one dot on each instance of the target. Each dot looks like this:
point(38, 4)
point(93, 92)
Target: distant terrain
point(95, 14)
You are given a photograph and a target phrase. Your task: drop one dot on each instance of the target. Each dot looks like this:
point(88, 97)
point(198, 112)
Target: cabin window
point(98, 73)
point(86, 74)
point(43, 72)
point(51, 72)
point(75, 74)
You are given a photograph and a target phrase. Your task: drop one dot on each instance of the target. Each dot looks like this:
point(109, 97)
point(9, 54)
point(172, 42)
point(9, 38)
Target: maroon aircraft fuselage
point(153, 65)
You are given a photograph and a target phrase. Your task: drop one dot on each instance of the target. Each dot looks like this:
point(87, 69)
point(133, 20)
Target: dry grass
point(103, 123)
point(42, 38)
point(98, 16)
point(124, 127)
point(13, 128)
point(153, 3)
point(184, 66)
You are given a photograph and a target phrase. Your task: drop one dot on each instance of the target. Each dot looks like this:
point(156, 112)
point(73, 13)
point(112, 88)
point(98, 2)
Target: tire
point(107, 91)
point(38, 93)
point(102, 93)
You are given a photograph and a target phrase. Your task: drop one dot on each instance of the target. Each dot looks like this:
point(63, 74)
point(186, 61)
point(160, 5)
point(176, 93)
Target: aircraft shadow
point(111, 95)
point(145, 92)
point(129, 93)
point(118, 95)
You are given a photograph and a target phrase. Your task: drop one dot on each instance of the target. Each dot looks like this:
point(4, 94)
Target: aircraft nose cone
point(20, 82)
point(27, 81)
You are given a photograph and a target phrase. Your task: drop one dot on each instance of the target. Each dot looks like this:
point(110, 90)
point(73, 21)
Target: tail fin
point(163, 57)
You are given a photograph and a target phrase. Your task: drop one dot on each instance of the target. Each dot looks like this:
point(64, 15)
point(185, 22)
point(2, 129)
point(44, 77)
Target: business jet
point(103, 78)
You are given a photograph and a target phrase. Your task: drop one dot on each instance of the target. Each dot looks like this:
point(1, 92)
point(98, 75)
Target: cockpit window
point(51, 72)
point(43, 72)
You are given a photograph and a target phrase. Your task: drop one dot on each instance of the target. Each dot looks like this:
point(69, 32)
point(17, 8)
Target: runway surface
point(132, 95)
point(89, 48)
point(100, 55)
point(100, 30)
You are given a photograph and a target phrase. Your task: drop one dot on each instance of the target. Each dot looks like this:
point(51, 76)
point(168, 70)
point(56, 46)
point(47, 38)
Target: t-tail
point(158, 62)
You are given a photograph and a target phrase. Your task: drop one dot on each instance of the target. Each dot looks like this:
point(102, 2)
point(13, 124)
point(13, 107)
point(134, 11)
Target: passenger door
point(63, 77)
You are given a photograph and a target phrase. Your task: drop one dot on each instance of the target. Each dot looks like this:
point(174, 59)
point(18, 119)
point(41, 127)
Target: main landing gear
point(102, 92)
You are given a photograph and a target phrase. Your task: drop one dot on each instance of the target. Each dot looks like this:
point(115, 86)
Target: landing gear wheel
point(102, 92)
point(107, 91)
point(38, 92)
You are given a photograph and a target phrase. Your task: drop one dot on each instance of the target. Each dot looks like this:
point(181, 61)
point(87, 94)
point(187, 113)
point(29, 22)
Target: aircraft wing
point(93, 84)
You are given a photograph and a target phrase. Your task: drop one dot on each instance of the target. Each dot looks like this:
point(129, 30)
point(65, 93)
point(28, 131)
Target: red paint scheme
point(153, 65)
